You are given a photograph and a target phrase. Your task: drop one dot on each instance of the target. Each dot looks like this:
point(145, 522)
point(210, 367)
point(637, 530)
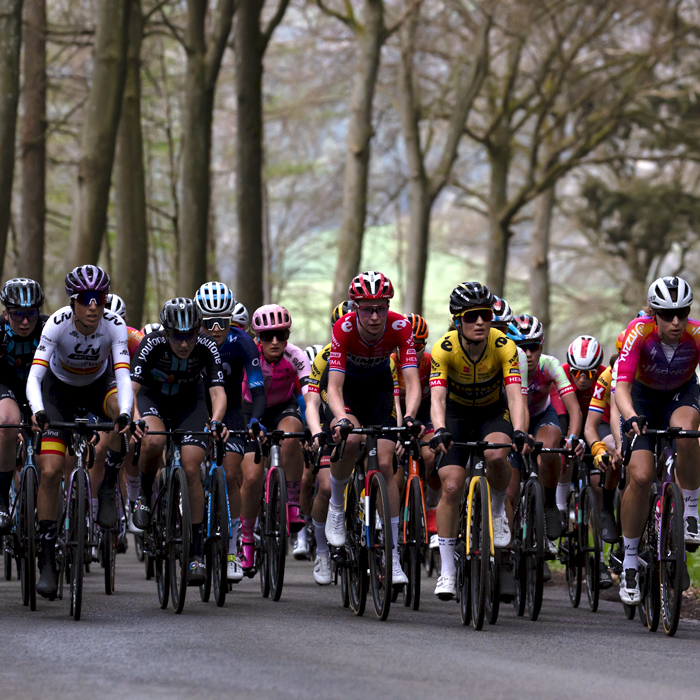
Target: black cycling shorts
point(17, 394)
point(274, 415)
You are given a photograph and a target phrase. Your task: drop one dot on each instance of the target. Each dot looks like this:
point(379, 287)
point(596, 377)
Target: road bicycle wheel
point(159, 531)
point(570, 553)
point(518, 556)
point(138, 547)
point(534, 547)
point(462, 562)
point(205, 588)
point(650, 607)
point(7, 560)
point(618, 553)
point(479, 546)
point(27, 538)
point(415, 540)
point(493, 578)
point(672, 551)
point(264, 566)
point(355, 551)
point(109, 558)
point(344, 575)
point(277, 532)
point(590, 544)
point(219, 549)
point(76, 529)
point(178, 538)
point(379, 548)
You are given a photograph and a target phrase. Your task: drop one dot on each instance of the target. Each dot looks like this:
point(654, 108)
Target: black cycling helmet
point(181, 315)
point(470, 295)
point(343, 308)
point(23, 292)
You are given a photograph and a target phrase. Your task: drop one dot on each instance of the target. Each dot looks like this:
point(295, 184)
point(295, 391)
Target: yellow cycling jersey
point(472, 383)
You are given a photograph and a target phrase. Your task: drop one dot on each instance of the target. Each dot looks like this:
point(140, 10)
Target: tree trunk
point(10, 45)
point(499, 233)
point(91, 198)
point(31, 254)
point(539, 259)
point(131, 259)
point(249, 149)
point(370, 39)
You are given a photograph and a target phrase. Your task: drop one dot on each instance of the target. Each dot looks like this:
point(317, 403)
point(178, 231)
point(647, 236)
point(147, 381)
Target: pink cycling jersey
point(549, 372)
point(281, 377)
point(642, 357)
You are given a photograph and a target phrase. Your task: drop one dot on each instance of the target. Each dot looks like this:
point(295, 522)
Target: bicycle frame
point(415, 471)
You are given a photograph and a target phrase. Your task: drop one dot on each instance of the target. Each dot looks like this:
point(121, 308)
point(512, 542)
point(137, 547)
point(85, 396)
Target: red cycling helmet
point(370, 285)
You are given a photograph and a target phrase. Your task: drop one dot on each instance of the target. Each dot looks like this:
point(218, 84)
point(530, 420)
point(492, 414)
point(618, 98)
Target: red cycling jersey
point(352, 354)
point(583, 397)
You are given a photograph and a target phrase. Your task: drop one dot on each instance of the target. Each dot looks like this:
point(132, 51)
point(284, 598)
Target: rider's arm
point(515, 407)
point(438, 405)
point(40, 364)
point(254, 376)
point(574, 411)
point(313, 417)
point(623, 400)
point(120, 361)
point(136, 387)
point(411, 380)
point(590, 431)
point(218, 402)
point(335, 394)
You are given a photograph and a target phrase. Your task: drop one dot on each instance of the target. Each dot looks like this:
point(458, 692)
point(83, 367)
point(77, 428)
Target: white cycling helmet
point(151, 328)
point(215, 299)
point(115, 304)
point(670, 293)
point(239, 317)
point(585, 353)
point(311, 352)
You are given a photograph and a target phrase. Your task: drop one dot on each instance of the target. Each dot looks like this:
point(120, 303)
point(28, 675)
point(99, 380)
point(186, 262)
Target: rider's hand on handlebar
point(139, 428)
point(576, 444)
point(440, 441)
point(123, 423)
point(218, 429)
point(634, 425)
point(40, 420)
point(342, 429)
point(415, 426)
point(256, 430)
point(522, 442)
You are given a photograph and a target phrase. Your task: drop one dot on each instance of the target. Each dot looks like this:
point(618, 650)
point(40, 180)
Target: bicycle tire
point(672, 550)
point(478, 517)
point(219, 550)
point(590, 544)
point(534, 546)
point(7, 561)
point(179, 532)
point(518, 549)
point(418, 541)
point(76, 544)
point(263, 565)
point(205, 588)
point(493, 587)
point(379, 549)
point(138, 547)
point(650, 606)
point(356, 553)
point(571, 553)
point(161, 566)
point(462, 564)
point(109, 557)
point(344, 585)
point(27, 536)
point(277, 532)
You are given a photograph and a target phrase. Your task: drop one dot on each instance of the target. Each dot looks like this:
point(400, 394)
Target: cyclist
point(656, 387)
point(76, 346)
point(239, 316)
point(283, 366)
point(361, 346)
point(238, 354)
point(169, 393)
point(475, 391)
point(544, 372)
point(151, 328)
point(21, 328)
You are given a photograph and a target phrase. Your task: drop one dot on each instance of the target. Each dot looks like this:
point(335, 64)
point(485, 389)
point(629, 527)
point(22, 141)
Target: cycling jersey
point(79, 360)
point(600, 401)
point(280, 377)
point(548, 372)
point(133, 340)
point(583, 397)
point(642, 356)
point(17, 353)
point(474, 383)
point(156, 367)
point(355, 356)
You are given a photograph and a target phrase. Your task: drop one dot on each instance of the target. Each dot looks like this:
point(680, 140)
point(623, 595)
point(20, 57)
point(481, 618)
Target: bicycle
point(107, 542)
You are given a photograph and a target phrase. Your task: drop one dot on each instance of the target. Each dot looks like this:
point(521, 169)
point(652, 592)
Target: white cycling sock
point(321, 541)
point(631, 546)
point(338, 491)
point(133, 486)
point(498, 502)
point(395, 535)
point(562, 493)
point(433, 498)
point(94, 503)
point(447, 555)
point(233, 542)
point(690, 498)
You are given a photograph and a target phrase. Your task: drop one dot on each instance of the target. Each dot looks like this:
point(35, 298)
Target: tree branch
point(274, 22)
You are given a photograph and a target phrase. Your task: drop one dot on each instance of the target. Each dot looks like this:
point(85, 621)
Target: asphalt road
point(308, 646)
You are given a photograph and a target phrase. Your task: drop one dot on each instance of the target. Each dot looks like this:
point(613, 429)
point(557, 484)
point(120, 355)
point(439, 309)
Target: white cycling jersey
point(78, 360)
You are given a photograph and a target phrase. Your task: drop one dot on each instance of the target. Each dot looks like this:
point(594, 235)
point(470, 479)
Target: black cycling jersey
point(156, 367)
point(17, 353)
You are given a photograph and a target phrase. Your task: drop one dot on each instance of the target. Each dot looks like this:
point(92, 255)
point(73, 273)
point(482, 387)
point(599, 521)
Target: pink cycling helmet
point(271, 317)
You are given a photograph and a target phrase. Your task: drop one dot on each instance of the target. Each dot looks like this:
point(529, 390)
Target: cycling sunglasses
point(86, 298)
point(188, 337)
point(669, 314)
point(20, 314)
point(419, 346)
point(367, 311)
point(474, 315)
point(269, 336)
point(578, 373)
point(532, 347)
point(222, 322)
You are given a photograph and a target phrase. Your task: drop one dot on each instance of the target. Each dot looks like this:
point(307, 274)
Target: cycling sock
point(133, 486)
point(146, 491)
point(609, 500)
point(293, 491)
point(112, 463)
point(498, 502)
point(690, 498)
point(433, 498)
point(47, 529)
point(338, 491)
point(321, 541)
point(562, 493)
point(197, 539)
point(5, 483)
point(550, 498)
point(94, 505)
point(233, 542)
point(447, 555)
point(631, 546)
point(395, 535)
point(248, 529)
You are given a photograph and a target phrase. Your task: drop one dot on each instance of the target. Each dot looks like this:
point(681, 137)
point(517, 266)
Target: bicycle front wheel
point(178, 538)
point(534, 546)
point(569, 546)
point(109, 558)
point(590, 544)
point(379, 549)
point(650, 607)
point(75, 542)
point(480, 551)
point(277, 532)
point(27, 537)
point(672, 551)
point(355, 553)
point(220, 539)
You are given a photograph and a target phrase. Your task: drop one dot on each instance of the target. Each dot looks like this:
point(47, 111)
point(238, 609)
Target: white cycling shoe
point(322, 570)
point(501, 531)
point(434, 542)
point(691, 530)
point(446, 588)
point(234, 570)
point(629, 587)
point(301, 549)
point(398, 576)
point(335, 525)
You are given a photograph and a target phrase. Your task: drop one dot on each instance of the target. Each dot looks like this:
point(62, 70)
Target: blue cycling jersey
point(238, 353)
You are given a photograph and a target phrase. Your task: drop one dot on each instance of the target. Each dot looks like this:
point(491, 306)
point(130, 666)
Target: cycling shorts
point(604, 430)
point(274, 415)
point(181, 412)
point(548, 417)
point(17, 394)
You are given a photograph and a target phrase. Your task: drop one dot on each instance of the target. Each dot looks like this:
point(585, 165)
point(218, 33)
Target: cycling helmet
point(116, 305)
point(418, 326)
point(215, 299)
point(271, 317)
point(585, 353)
point(23, 292)
point(87, 278)
point(502, 313)
point(239, 317)
point(151, 328)
point(370, 285)
point(311, 352)
point(181, 315)
point(343, 308)
point(470, 295)
point(670, 293)
point(619, 341)
point(525, 329)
